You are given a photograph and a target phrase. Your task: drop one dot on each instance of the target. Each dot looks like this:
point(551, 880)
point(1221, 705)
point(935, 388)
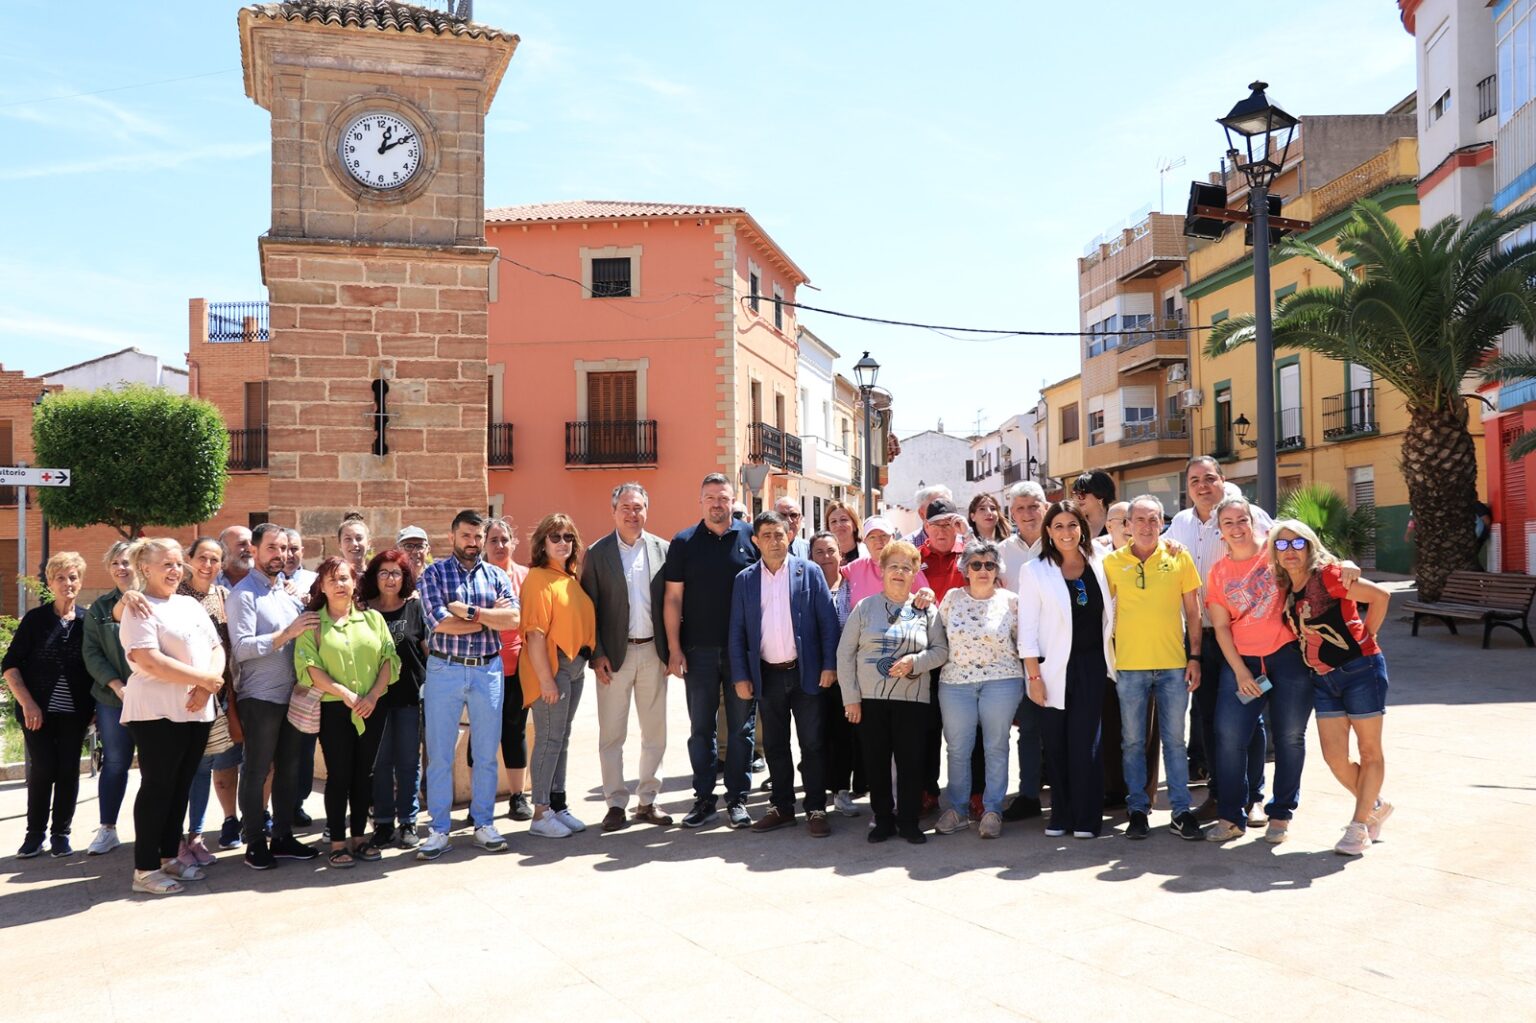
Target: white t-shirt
point(180, 629)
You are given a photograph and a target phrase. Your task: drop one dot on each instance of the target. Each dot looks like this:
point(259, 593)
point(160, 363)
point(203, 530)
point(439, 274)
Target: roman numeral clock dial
point(380, 150)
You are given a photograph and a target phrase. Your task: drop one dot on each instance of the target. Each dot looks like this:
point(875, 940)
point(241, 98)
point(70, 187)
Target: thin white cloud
point(70, 330)
point(130, 162)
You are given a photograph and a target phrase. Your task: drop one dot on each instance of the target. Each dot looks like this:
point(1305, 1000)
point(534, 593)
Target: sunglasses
point(1141, 576)
point(561, 538)
point(793, 515)
point(1080, 592)
point(984, 566)
point(1297, 544)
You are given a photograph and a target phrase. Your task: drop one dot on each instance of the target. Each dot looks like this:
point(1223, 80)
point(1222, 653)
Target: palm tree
point(1422, 311)
point(1347, 533)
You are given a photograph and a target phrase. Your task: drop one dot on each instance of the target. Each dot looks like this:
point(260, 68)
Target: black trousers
point(1202, 710)
point(894, 728)
point(304, 770)
point(349, 761)
point(53, 771)
point(845, 762)
point(783, 697)
point(169, 752)
point(271, 743)
point(1070, 738)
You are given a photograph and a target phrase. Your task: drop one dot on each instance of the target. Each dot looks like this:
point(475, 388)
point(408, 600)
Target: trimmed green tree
point(1422, 312)
point(137, 456)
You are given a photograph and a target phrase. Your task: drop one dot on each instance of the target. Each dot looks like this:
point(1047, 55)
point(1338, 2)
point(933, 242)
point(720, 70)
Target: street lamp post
point(1262, 129)
point(866, 370)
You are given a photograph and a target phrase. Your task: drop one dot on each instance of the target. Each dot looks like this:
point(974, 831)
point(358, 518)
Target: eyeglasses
point(793, 515)
point(1295, 544)
point(561, 538)
point(395, 574)
point(415, 545)
point(984, 566)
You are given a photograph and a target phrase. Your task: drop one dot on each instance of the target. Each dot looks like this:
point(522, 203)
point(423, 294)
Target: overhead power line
point(115, 88)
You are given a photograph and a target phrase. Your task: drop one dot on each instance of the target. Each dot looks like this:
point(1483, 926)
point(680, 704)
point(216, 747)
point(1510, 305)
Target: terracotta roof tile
point(601, 209)
point(384, 15)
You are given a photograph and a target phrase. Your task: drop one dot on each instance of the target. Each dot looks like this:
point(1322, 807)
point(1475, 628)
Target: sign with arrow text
point(23, 476)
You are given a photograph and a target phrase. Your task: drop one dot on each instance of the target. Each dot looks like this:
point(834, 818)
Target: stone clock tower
point(375, 263)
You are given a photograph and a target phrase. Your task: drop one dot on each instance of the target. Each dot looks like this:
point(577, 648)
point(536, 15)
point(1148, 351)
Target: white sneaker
point(572, 823)
point(433, 846)
point(105, 841)
point(549, 826)
point(843, 803)
point(1378, 818)
point(950, 822)
point(1356, 840)
point(489, 839)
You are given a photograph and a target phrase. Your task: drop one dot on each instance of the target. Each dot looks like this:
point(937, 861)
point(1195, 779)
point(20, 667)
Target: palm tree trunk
point(1440, 467)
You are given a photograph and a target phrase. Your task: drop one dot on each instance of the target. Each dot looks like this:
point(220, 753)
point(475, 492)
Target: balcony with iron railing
point(1351, 414)
point(498, 446)
point(594, 442)
point(1176, 428)
point(855, 471)
point(234, 322)
point(1217, 442)
point(248, 449)
point(1290, 429)
point(767, 443)
point(1013, 473)
point(1487, 98)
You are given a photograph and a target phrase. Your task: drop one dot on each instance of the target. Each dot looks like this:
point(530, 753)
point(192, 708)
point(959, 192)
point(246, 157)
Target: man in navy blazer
point(783, 651)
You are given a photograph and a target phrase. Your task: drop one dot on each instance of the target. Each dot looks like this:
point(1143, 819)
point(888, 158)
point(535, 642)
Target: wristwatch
point(471, 613)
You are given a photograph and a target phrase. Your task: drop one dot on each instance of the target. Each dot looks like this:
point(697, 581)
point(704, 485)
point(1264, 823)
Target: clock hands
point(384, 146)
point(387, 145)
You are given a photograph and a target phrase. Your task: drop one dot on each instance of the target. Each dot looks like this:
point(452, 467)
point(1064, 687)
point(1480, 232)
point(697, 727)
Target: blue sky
point(935, 169)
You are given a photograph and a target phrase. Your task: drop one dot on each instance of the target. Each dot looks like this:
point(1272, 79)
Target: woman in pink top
point(1245, 606)
point(863, 574)
point(500, 544)
point(178, 665)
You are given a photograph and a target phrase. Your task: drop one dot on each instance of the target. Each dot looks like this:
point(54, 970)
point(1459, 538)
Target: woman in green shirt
point(109, 670)
point(351, 659)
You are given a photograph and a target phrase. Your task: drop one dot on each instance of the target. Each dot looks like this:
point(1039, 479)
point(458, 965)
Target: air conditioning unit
point(1178, 372)
point(1192, 398)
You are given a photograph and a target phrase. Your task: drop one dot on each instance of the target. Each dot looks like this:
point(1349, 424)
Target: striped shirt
point(446, 581)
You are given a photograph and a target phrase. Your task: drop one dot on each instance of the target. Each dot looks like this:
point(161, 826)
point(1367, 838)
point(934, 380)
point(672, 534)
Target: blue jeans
point(1356, 690)
point(703, 685)
point(116, 759)
point(448, 689)
point(552, 732)
point(1286, 708)
point(197, 797)
point(1135, 688)
point(963, 706)
point(397, 772)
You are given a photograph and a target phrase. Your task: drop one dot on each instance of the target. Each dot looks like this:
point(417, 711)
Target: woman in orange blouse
point(559, 628)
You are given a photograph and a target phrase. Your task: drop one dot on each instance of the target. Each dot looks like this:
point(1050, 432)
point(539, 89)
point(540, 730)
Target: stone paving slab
point(1437, 922)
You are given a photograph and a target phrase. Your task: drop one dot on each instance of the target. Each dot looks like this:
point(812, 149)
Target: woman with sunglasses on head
point(1067, 621)
point(388, 586)
point(980, 686)
point(351, 660)
point(1349, 673)
point(559, 628)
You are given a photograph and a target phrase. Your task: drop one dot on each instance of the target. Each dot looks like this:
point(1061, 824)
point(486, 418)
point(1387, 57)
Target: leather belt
point(786, 666)
point(638, 642)
point(468, 662)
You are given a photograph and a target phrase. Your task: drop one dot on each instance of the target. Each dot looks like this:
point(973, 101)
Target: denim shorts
point(1357, 689)
point(232, 757)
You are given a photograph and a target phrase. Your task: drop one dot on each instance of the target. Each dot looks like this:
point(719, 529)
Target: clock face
point(380, 150)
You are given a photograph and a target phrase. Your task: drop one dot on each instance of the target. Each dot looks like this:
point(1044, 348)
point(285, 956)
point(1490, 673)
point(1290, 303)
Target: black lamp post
point(1240, 427)
point(1259, 135)
point(865, 371)
point(1034, 466)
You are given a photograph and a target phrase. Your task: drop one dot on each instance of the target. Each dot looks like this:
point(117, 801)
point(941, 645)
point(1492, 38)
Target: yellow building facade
point(1064, 430)
point(1335, 423)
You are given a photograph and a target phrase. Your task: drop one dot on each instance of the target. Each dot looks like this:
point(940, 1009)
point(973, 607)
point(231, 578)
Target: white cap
point(876, 523)
point(411, 533)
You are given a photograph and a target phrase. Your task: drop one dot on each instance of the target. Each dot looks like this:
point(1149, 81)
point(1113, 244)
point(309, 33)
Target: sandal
point(182, 870)
point(155, 882)
point(368, 853)
point(341, 858)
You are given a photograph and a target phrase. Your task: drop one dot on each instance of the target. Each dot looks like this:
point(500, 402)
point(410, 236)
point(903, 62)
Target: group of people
point(1086, 624)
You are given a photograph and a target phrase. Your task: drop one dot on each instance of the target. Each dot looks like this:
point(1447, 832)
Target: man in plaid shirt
point(467, 602)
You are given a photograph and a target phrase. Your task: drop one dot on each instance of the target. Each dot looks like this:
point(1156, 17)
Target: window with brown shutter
point(612, 413)
point(255, 404)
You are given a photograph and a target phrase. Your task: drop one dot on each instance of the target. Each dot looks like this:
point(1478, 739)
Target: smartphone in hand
point(1264, 684)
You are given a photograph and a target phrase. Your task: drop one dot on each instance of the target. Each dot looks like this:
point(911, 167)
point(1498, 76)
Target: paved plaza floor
point(1438, 921)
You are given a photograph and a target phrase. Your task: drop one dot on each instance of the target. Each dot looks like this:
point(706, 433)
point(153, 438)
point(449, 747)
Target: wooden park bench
point(1493, 598)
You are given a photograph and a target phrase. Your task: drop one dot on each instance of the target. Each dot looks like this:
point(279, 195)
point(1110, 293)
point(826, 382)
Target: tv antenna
point(1164, 165)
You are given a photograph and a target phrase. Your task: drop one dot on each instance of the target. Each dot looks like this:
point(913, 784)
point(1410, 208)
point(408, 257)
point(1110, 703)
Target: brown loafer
point(816, 824)
point(1206, 811)
point(614, 820)
point(646, 813)
point(773, 819)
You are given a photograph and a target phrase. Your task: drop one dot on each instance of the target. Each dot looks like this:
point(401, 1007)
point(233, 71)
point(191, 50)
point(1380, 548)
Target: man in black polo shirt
point(701, 569)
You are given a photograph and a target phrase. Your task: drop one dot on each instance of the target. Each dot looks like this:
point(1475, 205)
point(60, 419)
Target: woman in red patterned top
point(1349, 673)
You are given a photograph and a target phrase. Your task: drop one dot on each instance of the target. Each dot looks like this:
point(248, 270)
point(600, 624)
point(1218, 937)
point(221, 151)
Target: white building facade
point(926, 458)
point(825, 429)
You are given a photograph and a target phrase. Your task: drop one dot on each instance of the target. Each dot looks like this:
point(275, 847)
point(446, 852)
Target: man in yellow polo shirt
point(1156, 592)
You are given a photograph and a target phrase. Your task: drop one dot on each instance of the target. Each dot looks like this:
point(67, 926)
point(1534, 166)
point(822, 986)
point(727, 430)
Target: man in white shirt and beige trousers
point(622, 575)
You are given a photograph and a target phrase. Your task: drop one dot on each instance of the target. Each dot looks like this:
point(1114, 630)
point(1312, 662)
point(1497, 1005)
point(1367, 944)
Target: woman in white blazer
point(1066, 638)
